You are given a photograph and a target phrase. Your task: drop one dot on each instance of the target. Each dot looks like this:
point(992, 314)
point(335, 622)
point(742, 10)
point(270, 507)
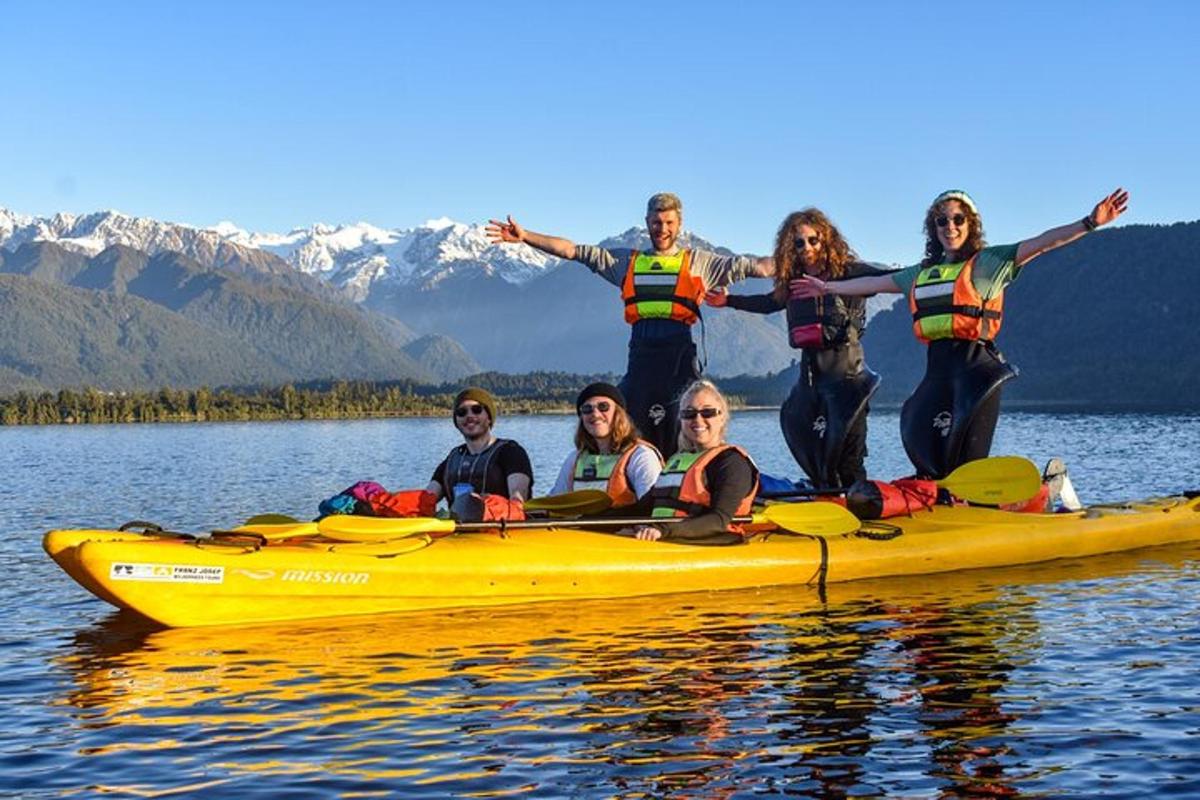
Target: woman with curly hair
point(824, 419)
point(956, 297)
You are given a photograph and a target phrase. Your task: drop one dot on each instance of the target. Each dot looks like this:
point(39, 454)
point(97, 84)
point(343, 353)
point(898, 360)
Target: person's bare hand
point(717, 298)
point(508, 231)
point(1110, 207)
point(647, 533)
point(805, 287)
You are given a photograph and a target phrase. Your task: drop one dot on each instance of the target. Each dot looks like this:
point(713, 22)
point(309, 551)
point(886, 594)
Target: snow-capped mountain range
point(354, 258)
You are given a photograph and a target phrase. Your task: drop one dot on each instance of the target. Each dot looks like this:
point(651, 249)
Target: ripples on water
point(1073, 678)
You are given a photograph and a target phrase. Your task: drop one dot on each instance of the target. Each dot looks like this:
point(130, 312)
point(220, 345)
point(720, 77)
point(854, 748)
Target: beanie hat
point(600, 389)
point(956, 194)
point(481, 396)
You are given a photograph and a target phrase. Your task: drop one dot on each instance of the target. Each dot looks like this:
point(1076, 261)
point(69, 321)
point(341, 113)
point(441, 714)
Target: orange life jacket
point(606, 471)
point(680, 490)
point(945, 305)
point(661, 287)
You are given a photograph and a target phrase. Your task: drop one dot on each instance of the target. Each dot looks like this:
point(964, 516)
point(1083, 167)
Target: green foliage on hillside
point(125, 320)
point(342, 400)
point(63, 336)
point(442, 356)
point(531, 393)
point(518, 394)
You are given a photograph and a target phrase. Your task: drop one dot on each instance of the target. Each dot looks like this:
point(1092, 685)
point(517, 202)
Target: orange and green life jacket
point(946, 305)
point(680, 490)
point(661, 287)
point(606, 472)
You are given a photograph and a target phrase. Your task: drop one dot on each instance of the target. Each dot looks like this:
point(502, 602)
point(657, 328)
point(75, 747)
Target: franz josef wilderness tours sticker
point(168, 573)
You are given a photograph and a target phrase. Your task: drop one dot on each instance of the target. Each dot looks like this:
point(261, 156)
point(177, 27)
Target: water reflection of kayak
point(124, 663)
point(236, 580)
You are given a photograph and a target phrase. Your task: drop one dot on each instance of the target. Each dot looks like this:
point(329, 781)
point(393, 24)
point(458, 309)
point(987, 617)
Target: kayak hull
point(240, 581)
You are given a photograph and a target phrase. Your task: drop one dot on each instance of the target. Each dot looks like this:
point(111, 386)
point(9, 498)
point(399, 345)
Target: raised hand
point(1110, 207)
point(509, 231)
point(717, 298)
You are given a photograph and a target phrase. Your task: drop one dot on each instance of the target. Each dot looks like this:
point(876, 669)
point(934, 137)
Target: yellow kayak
point(254, 575)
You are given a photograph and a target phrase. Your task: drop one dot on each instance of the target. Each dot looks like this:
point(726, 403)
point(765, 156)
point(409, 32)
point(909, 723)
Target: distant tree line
point(180, 405)
point(532, 393)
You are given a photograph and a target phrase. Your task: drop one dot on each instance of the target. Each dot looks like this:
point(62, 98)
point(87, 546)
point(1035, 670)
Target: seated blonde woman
point(707, 482)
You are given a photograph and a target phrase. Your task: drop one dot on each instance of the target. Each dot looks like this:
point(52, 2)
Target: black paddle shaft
point(615, 522)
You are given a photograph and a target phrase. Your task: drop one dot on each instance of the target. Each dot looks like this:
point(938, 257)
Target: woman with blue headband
point(956, 297)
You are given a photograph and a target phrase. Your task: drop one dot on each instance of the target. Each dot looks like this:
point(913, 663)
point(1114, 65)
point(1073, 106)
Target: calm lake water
point(1076, 678)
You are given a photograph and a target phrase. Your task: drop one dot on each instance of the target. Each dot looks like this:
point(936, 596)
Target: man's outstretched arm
point(510, 231)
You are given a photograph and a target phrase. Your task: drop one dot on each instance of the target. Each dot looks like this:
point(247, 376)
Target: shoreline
point(565, 411)
point(536, 394)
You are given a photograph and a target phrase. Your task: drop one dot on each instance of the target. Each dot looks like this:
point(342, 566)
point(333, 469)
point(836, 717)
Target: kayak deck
point(182, 583)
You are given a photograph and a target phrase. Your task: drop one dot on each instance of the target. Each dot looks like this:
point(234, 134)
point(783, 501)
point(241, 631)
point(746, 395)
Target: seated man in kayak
point(707, 481)
point(609, 454)
point(496, 471)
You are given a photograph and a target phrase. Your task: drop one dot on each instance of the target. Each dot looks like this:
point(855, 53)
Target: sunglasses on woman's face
point(587, 408)
point(474, 408)
point(957, 219)
point(811, 241)
point(692, 413)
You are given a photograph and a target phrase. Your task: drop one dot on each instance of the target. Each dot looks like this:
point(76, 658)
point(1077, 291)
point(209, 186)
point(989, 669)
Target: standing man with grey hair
point(662, 290)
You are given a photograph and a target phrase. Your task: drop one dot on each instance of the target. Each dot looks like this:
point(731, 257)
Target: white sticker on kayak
point(168, 573)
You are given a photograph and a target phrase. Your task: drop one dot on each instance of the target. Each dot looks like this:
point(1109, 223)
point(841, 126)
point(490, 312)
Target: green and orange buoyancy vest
point(606, 472)
point(661, 287)
point(946, 305)
point(680, 490)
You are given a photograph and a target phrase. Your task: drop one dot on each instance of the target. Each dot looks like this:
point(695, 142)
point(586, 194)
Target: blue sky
point(569, 115)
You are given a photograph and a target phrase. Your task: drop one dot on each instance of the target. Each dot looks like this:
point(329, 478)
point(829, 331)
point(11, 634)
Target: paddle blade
point(572, 504)
point(274, 532)
point(349, 528)
point(271, 519)
point(385, 549)
point(815, 519)
point(994, 481)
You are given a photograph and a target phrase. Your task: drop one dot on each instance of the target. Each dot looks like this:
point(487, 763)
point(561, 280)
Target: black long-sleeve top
point(730, 478)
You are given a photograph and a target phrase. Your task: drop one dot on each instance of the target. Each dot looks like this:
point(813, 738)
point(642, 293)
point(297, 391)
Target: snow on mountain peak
point(227, 230)
point(9, 222)
point(357, 257)
point(92, 233)
point(354, 257)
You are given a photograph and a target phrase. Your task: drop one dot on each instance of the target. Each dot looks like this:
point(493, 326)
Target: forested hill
point(1107, 321)
point(124, 319)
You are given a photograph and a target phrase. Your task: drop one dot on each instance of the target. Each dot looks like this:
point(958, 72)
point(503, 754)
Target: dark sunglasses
point(692, 413)
point(474, 408)
point(813, 241)
point(603, 407)
point(957, 219)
